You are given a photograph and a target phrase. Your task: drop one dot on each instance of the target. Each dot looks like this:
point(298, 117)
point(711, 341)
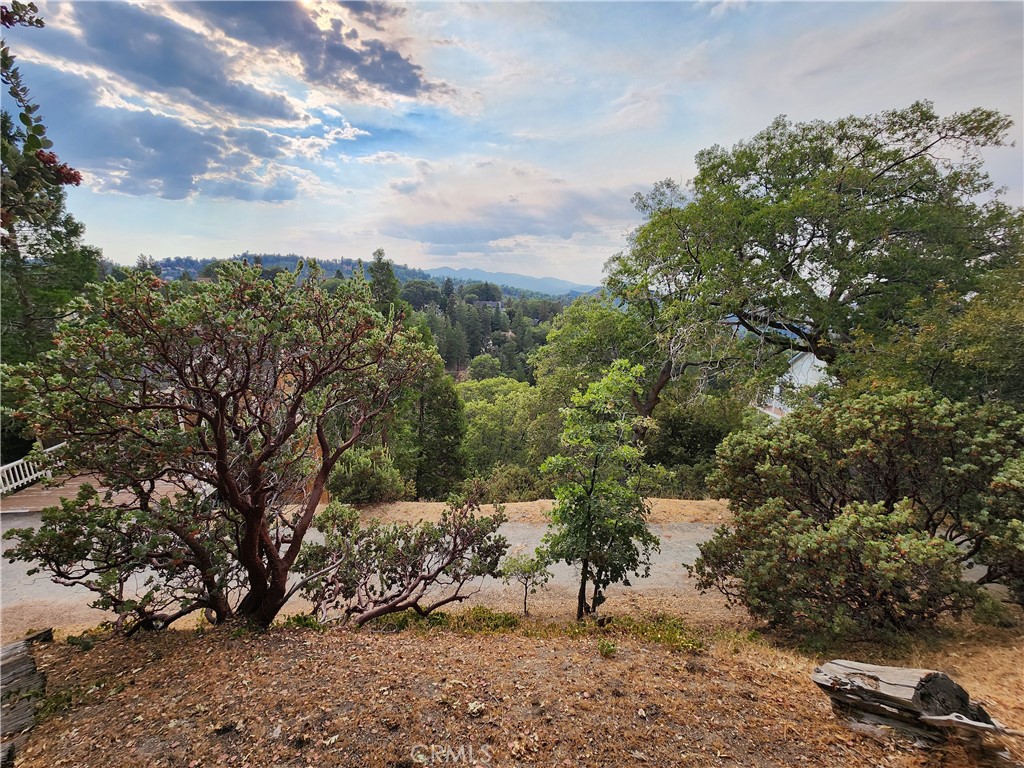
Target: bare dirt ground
point(711, 512)
point(538, 694)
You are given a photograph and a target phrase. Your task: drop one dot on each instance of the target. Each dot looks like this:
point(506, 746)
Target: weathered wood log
point(20, 685)
point(922, 704)
point(910, 692)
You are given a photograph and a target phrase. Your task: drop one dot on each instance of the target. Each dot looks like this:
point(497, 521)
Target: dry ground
point(712, 512)
point(541, 694)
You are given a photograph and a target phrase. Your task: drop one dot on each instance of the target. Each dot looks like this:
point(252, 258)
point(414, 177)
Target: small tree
point(206, 409)
point(599, 520)
point(859, 515)
point(530, 571)
point(362, 572)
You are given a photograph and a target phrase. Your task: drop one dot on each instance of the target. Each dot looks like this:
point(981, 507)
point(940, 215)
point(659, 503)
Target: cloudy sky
point(505, 136)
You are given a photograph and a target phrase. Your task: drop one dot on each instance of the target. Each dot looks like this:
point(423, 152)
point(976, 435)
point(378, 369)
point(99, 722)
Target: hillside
point(538, 694)
point(674, 678)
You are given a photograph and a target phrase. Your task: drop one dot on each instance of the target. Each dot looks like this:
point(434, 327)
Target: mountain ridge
point(550, 285)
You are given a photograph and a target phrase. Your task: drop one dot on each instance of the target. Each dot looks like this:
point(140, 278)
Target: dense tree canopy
point(810, 232)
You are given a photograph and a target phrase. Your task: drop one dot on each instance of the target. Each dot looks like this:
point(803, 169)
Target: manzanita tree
point(364, 571)
point(214, 414)
point(860, 515)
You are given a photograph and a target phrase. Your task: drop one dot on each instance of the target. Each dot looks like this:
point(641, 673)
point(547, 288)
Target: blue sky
point(503, 136)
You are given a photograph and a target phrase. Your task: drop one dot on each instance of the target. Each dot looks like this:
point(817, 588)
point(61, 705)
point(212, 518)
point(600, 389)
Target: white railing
point(23, 472)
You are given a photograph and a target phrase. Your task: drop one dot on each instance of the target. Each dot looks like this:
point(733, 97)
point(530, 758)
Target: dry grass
point(492, 690)
point(539, 692)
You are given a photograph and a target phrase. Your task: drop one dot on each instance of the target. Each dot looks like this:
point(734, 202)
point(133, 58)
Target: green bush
point(858, 517)
point(509, 483)
point(368, 476)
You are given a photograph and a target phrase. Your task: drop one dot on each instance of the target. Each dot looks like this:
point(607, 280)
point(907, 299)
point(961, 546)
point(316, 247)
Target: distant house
point(805, 370)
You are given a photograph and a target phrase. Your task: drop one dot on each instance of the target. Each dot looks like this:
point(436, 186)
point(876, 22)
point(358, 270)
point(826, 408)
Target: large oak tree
point(809, 233)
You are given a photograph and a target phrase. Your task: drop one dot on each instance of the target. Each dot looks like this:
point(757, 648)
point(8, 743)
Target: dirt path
point(708, 512)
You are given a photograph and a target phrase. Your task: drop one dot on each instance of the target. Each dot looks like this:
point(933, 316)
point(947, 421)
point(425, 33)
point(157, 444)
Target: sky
point(502, 136)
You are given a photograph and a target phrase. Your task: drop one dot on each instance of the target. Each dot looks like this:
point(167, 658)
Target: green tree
point(498, 413)
point(481, 291)
point(484, 367)
point(811, 232)
point(963, 346)
point(440, 427)
point(859, 515)
point(383, 283)
point(599, 520)
point(223, 394)
point(367, 476)
point(420, 293)
point(529, 571)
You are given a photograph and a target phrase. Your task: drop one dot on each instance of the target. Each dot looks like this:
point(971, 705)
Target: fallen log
point(923, 704)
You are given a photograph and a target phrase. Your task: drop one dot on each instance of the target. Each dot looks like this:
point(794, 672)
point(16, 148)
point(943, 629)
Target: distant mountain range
point(549, 285)
point(524, 285)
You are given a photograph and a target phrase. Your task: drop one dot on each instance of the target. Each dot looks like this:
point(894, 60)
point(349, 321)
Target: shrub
point(606, 647)
point(858, 516)
point(363, 572)
point(509, 483)
point(368, 476)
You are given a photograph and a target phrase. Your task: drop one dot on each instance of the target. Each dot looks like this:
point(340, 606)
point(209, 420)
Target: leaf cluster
point(859, 515)
point(363, 571)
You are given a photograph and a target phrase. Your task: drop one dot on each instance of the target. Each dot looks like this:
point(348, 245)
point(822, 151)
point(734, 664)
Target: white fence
point(22, 472)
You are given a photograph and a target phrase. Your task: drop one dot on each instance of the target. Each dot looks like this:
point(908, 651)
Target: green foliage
point(476, 620)
point(684, 439)
point(663, 629)
point(508, 483)
point(304, 621)
point(44, 263)
point(857, 516)
point(498, 420)
point(420, 293)
point(530, 571)
point(368, 476)
point(481, 291)
point(1003, 549)
point(383, 284)
point(599, 520)
point(224, 392)
point(484, 367)
point(606, 647)
point(363, 572)
point(82, 642)
point(143, 563)
point(962, 346)
point(439, 424)
point(811, 232)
